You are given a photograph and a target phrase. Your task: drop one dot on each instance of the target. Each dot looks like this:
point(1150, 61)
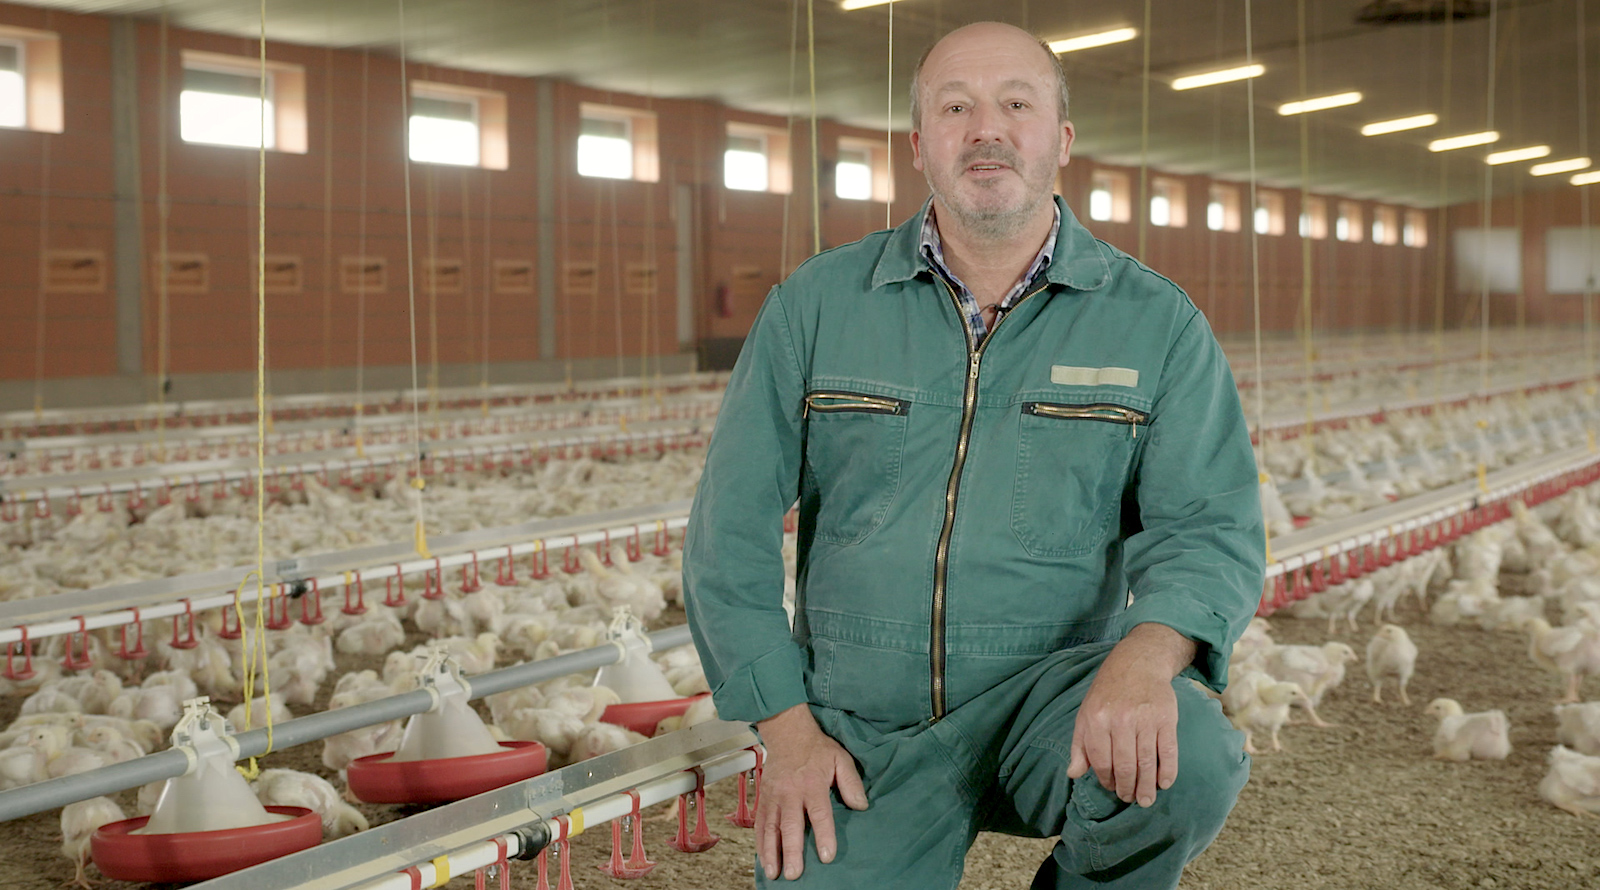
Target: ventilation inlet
point(1394, 12)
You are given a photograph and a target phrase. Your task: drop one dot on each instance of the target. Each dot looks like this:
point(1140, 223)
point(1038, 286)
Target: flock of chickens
point(1551, 554)
point(118, 709)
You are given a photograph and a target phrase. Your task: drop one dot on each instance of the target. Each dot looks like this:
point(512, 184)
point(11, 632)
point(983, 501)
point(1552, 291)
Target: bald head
point(990, 36)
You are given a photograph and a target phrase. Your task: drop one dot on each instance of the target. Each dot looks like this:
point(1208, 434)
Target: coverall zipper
point(941, 559)
point(1105, 413)
point(839, 402)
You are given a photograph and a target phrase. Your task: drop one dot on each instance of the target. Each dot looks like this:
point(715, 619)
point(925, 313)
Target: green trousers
point(999, 763)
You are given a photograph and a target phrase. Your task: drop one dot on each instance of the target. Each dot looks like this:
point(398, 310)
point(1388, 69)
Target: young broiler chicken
point(1573, 782)
point(1316, 669)
point(290, 788)
point(1267, 711)
point(79, 822)
point(1462, 736)
point(1571, 652)
point(1390, 653)
point(1578, 727)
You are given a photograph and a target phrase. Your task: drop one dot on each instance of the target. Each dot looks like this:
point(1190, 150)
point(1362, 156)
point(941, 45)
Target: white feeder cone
point(451, 728)
point(635, 678)
point(213, 795)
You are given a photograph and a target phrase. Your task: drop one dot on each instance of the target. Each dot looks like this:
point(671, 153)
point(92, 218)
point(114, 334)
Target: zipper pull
point(1135, 426)
point(972, 368)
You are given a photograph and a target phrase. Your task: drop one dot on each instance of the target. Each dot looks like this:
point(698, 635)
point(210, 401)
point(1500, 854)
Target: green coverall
point(978, 527)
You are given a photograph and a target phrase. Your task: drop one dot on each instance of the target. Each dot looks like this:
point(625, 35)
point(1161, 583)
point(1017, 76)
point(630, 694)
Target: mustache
point(989, 154)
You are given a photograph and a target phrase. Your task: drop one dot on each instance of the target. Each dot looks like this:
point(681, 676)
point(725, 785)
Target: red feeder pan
point(642, 717)
point(199, 855)
point(375, 779)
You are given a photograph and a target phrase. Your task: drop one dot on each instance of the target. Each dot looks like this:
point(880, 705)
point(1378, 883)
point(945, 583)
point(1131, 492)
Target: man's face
point(990, 141)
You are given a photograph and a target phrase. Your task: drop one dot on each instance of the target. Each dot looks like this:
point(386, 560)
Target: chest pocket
point(1073, 461)
point(854, 446)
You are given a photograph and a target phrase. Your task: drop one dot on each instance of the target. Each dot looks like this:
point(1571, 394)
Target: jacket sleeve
point(1198, 563)
point(733, 575)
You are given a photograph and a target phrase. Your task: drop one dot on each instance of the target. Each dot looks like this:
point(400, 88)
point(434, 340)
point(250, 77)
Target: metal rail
point(80, 611)
point(53, 793)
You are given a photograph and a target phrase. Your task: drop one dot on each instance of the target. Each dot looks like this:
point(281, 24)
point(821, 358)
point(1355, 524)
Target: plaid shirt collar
point(933, 252)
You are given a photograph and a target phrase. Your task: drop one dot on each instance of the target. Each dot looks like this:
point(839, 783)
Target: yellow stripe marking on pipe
point(441, 871)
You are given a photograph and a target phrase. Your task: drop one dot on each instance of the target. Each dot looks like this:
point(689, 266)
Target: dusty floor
point(1359, 805)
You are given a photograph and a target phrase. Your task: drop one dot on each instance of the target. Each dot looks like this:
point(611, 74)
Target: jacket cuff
point(764, 687)
point(1207, 629)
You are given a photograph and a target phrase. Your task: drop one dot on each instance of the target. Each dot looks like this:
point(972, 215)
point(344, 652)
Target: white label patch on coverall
point(1069, 376)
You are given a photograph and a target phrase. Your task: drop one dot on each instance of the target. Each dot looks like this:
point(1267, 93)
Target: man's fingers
point(1144, 790)
point(819, 809)
point(1080, 761)
point(1167, 751)
point(767, 838)
point(1125, 762)
point(848, 781)
point(793, 827)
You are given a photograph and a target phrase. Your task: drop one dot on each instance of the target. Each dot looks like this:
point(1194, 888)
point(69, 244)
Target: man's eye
point(956, 109)
point(1019, 105)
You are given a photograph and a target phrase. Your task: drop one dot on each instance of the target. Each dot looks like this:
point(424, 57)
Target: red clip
point(278, 610)
point(27, 671)
point(75, 503)
point(104, 501)
point(661, 539)
point(500, 865)
point(637, 865)
point(433, 582)
point(188, 642)
point(701, 839)
point(563, 851)
point(234, 632)
point(569, 562)
point(219, 490)
point(745, 815)
point(539, 561)
point(41, 508)
point(603, 549)
point(505, 573)
point(634, 547)
point(78, 661)
point(311, 605)
point(359, 607)
point(136, 501)
point(138, 650)
point(1300, 590)
point(471, 584)
point(164, 495)
point(392, 597)
point(1265, 607)
point(1319, 580)
point(1280, 592)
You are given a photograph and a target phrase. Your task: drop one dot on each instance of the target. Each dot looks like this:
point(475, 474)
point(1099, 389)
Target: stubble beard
point(998, 223)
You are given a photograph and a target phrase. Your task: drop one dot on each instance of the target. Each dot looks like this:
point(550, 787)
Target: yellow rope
point(1439, 226)
point(1255, 253)
point(888, 133)
point(1305, 250)
point(816, 162)
point(1483, 286)
point(1144, 141)
point(163, 210)
point(417, 481)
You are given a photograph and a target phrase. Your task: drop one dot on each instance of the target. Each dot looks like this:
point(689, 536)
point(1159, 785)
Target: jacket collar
point(1078, 262)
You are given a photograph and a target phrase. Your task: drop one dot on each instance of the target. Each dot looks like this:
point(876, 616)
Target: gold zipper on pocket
point(824, 402)
point(1102, 412)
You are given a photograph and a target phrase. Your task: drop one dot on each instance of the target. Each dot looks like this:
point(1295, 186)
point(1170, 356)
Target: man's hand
point(803, 763)
point(1127, 727)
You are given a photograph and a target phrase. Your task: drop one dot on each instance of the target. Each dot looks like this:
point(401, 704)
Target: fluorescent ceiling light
point(848, 5)
point(1514, 155)
point(1089, 41)
point(1566, 166)
point(1211, 78)
point(1466, 141)
point(1378, 128)
point(1319, 104)
point(1586, 178)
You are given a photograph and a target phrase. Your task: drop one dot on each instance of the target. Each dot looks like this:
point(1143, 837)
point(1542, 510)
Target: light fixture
point(1511, 156)
point(1567, 166)
point(1318, 104)
point(1378, 128)
point(1089, 41)
point(1464, 141)
point(848, 5)
point(1226, 75)
point(1586, 178)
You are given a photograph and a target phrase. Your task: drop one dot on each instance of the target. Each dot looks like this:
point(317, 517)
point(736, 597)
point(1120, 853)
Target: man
point(997, 429)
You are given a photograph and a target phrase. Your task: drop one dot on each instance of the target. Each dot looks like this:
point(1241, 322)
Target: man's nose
point(985, 124)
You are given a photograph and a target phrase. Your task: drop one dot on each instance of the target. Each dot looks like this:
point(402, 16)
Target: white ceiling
point(738, 51)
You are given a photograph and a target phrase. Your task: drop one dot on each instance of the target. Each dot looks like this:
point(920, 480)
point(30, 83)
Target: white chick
point(158, 704)
point(1346, 601)
point(701, 710)
point(1573, 782)
point(21, 765)
point(289, 788)
point(176, 679)
point(1568, 651)
point(111, 742)
point(523, 633)
point(149, 796)
point(79, 822)
point(503, 703)
point(375, 634)
point(1390, 653)
point(1257, 637)
point(602, 738)
point(259, 708)
point(143, 733)
point(1317, 669)
point(555, 729)
point(1578, 727)
point(620, 587)
point(1269, 712)
point(51, 700)
point(1461, 736)
point(444, 617)
point(1510, 613)
point(585, 703)
point(94, 691)
point(76, 760)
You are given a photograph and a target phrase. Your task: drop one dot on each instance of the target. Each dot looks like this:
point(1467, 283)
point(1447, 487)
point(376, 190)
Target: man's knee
point(1212, 765)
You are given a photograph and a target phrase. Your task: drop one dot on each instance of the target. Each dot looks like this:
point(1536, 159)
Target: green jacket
point(965, 512)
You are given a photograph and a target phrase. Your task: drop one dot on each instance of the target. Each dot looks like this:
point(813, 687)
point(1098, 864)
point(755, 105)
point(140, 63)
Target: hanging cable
point(1488, 196)
point(39, 306)
point(362, 261)
point(433, 296)
point(1144, 142)
point(327, 219)
point(1309, 435)
point(163, 214)
point(1444, 210)
point(816, 161)
point(788, 129)
point(1255, 252)
point(1584, 215)
point(417, 482)
point(888, 134)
